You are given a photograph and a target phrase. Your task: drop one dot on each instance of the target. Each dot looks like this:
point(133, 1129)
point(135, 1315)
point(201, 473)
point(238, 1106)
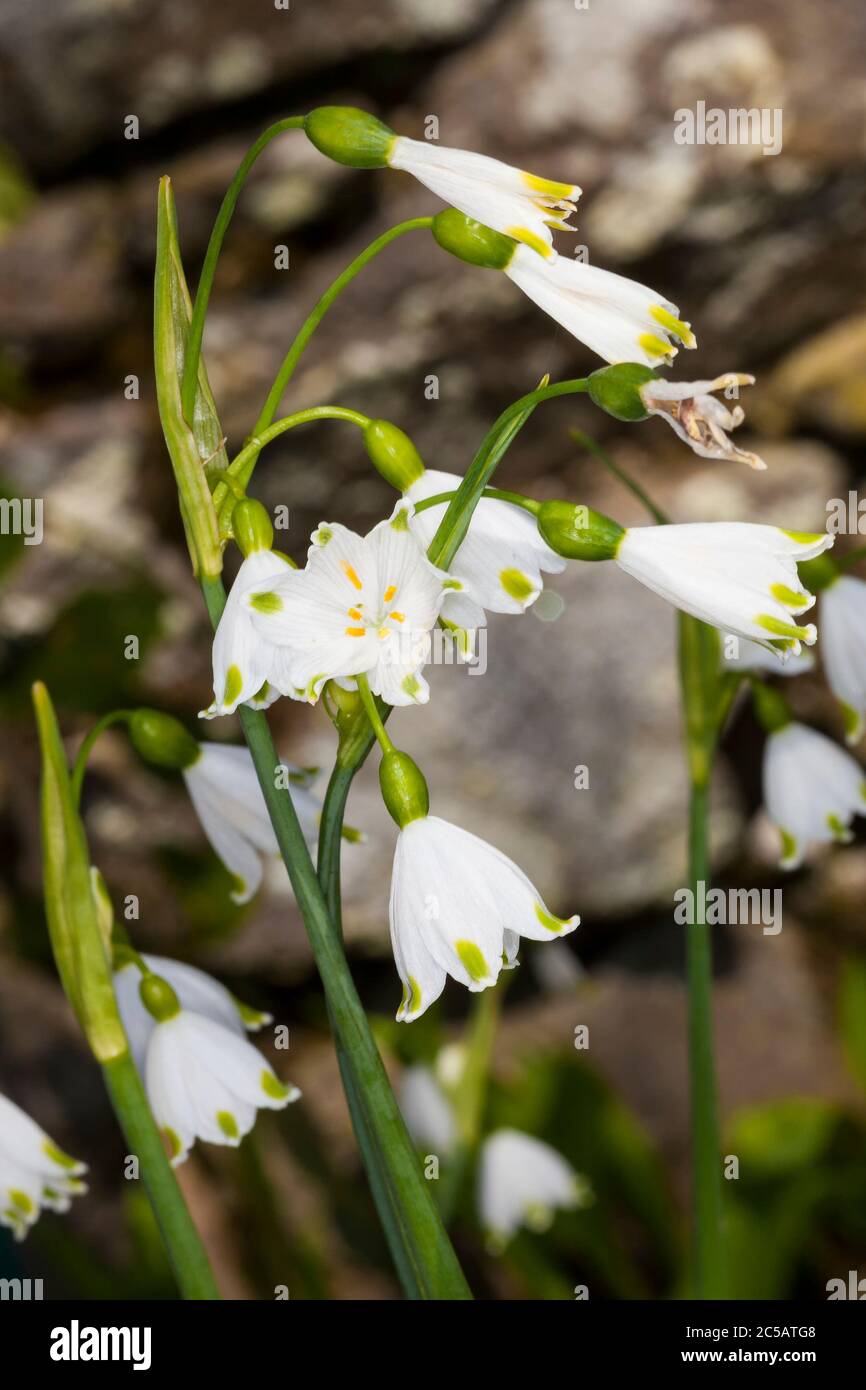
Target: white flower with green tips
point(698, 418)
point(196, 991)
point(34, 1172)
point(617, 318)
point(204, 1080)
point(737, 576)
point(225, 791)
point(812, 789)
point(511, 201)
point(843, 649)
point(458, 907)
point(500, 560)
point(523, 1182)
point(364, 605)
point(247, 669)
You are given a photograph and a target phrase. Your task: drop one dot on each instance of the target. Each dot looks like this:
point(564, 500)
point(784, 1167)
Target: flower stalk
point(84, 966)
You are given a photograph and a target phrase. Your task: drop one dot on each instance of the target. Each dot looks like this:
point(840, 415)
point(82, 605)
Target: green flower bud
point(251, 526)
point(472, 241)
point(819, 573)
point(616, 389)
point(393, 454)
point(578, 532)
point(771, 709)
point(404, 788)
point(158, 998)
point(161, 739)
point(350, 136)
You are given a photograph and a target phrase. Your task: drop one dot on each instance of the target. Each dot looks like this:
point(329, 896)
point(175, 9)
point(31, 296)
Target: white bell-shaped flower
point(617, 318)
point(500, 560)
point(509, 200)
point(196, 991)
point(34, 1172)
point(698, 418)
point(225, 791)
point(458, 907)
point(843, 649)
point(428, 1113)
point(736, 576)
point(812, 789)
point(523, 1182)
point(203, 1079)
point(247, 669)
point(364, 605)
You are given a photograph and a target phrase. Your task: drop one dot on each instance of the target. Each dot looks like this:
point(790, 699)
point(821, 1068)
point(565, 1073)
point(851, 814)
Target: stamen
point(350, 574)
point(356, 631)
point(390, 592)
point(398, 617)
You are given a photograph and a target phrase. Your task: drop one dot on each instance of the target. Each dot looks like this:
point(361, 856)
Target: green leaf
point(73, 919)
point(191, 444)
point(852, 1014)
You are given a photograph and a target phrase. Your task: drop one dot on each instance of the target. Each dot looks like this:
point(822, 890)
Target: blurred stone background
point(764, 255)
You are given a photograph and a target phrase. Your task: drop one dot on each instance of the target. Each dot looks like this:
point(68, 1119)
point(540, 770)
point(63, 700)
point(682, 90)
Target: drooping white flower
point(364, 605)
point(509, 200)
point(843, 649)
point(458, 907)
point(523, 1182)
point(34, 1172)
point(617, 318)
point(812, 789)
point(741, 654)
point(737, 576)
point(698, 418)
point(204, 1081)
point(500, 560)
point(428, 1113)
point(247, 669)
point(228, 800)
point(196, 991)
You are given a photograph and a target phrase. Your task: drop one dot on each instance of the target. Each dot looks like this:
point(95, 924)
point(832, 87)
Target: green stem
point(699, 678)
point(208, 271)
point(517, 499)
point(373, 714)
point(240, 470)
point(317, 313)
point(115, 717)
point(422, 1253)
point(185, 1250)
point(455, 523)
point(586, 441)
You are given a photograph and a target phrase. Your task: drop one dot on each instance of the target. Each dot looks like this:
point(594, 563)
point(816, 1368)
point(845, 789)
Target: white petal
point(732, 575)
point(24, 1142)
point(615, 317)
point(812, 789)
point(242, 656)
point(502, 557)
point(507, 199)
point(843, 648)
point(427, 1112)
point(522, 1179)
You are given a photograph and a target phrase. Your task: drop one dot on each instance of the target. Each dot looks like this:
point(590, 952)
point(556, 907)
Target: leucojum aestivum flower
point(347, 624)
